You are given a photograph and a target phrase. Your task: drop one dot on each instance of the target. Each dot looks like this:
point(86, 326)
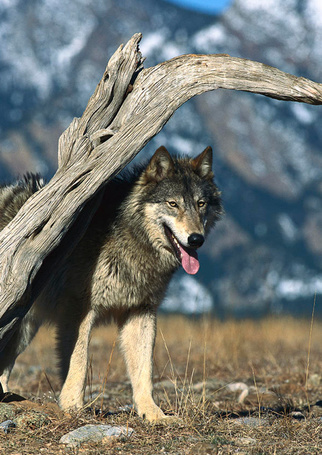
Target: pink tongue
point(189, 261)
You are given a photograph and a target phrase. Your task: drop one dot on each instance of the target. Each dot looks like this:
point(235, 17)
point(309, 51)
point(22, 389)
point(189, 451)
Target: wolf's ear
point(160, 166)
point(202, 164)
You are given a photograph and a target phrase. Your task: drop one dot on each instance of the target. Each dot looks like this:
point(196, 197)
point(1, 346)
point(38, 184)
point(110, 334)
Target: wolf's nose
point(196, 240)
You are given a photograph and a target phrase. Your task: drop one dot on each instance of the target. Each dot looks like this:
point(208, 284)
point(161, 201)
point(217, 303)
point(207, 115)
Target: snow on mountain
point(313, 14)
point(152, 42)
point(41, 42)
point(292, 289)
point(213, 37)
point(303, 114)
point(186, 295)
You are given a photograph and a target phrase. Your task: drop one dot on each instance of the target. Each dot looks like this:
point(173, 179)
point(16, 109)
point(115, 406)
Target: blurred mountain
point(266, 255)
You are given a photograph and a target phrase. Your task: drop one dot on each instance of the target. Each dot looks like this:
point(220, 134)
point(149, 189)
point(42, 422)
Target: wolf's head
point(182, 203)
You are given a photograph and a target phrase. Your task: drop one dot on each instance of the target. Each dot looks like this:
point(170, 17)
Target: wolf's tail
point(13, 197)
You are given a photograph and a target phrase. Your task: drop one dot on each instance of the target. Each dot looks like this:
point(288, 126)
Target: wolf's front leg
point(73, 340)
point(137, 339)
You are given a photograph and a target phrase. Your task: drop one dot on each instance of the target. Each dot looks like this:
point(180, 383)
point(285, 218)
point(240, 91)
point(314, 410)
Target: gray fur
point(120, 270)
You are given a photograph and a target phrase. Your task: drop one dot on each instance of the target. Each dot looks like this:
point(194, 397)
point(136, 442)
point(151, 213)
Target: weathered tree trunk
point(130, 105)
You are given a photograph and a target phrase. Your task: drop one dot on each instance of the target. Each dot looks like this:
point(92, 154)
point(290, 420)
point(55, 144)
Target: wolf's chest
point(127, 283)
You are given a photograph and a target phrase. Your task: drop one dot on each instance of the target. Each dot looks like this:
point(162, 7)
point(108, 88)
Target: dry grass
point(195, 361)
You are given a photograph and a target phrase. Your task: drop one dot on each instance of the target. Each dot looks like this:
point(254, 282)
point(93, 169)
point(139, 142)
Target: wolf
point(147, 225)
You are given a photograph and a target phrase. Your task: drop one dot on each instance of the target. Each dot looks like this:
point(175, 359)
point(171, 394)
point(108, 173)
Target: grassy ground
point(197, 366)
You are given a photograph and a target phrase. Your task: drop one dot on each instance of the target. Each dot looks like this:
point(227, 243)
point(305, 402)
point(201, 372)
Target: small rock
point(94, 433)
point(199, 386)
point(165, 384)
point(7, 426)
point(243, 396)
point(314, 380)
point(237, 387)
point(210, 384)
point(262, 396)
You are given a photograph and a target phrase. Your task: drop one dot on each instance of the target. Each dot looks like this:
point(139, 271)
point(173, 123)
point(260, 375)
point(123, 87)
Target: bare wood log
point(129, 106)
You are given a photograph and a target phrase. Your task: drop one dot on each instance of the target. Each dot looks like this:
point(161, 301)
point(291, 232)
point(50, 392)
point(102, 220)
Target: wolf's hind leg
point(73, 341)
point(4, 379)
point(137, 339)
point(16, 345)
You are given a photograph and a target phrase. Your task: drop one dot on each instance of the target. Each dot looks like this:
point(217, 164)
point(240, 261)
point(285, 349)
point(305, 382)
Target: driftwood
point(130, 105)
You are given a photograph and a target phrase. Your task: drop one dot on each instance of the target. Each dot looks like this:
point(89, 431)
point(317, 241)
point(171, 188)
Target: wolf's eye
point(201, 203)
point(172, 203)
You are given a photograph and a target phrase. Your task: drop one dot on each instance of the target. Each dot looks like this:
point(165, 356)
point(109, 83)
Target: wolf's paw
point(68, 403)
point(151, 412)
point(154, 414)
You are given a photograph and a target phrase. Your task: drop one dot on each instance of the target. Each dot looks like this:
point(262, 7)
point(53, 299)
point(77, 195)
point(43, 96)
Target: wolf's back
point(13, 197)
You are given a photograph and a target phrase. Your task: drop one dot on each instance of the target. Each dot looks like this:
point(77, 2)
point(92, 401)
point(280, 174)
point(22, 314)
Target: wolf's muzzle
point(195, 240)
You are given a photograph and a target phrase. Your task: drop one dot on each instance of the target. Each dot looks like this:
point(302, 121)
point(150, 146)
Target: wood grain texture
point(129, 106)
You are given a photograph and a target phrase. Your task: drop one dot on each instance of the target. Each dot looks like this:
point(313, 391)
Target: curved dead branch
point(129, 106)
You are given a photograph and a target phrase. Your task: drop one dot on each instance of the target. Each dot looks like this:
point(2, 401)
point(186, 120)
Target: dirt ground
point(244, 387)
